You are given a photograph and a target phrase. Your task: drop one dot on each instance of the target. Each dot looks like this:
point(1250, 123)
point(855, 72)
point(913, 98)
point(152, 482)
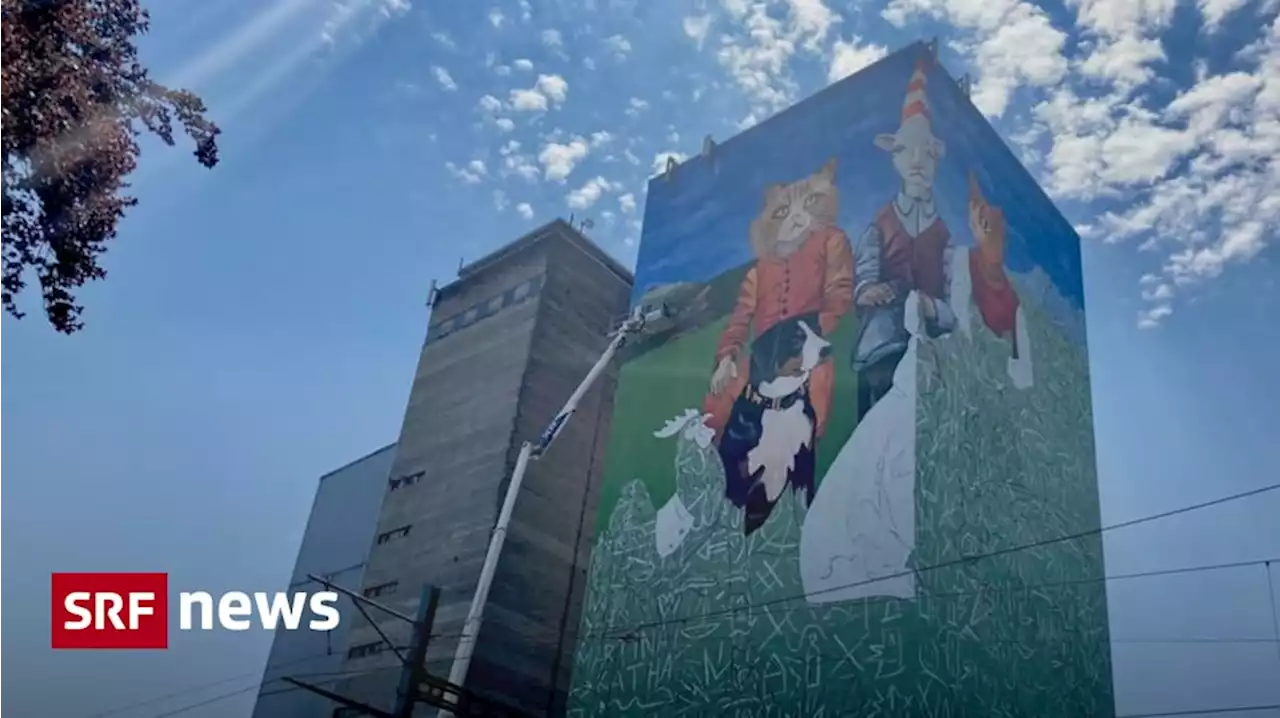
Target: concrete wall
point(336, 543)
point(505, 347)
point(527, 641)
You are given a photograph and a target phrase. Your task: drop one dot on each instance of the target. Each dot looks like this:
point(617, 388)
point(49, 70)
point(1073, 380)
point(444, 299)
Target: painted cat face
point(986, 222)
point(793, 210)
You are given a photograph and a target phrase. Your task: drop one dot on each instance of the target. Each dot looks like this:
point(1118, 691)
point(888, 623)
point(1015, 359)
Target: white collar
point(915, 214)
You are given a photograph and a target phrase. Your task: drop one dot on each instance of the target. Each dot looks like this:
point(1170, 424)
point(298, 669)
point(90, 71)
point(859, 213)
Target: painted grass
point(1021, 634)
point(665, 381)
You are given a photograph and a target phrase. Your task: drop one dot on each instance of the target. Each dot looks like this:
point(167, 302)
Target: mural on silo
point(876, 390)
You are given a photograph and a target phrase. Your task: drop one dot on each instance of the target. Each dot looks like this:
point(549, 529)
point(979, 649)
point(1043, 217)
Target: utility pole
point(416, 685)
point(412, 670)
point(640, 320)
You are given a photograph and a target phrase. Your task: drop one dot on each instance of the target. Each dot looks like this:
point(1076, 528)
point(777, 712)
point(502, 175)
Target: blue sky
point(260, 322)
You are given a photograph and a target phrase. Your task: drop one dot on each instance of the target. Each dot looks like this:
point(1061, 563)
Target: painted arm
point(943, 320)
point(736, 332)
point(866, 270)
point(837, 282)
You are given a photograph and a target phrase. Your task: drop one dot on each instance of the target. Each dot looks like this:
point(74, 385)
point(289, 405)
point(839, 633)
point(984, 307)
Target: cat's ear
point(886, 141)
point(772, 193)
point(828, 171)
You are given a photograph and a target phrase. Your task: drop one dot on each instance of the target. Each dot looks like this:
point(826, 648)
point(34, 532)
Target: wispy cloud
point(444, 78)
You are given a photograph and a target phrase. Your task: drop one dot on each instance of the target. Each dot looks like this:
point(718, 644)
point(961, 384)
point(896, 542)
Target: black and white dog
point(768, 441)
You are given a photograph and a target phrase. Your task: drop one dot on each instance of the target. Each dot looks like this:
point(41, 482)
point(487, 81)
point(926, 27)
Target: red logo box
point(110, 610)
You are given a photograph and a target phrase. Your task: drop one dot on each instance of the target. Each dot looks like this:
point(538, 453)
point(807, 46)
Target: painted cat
point(803, 269)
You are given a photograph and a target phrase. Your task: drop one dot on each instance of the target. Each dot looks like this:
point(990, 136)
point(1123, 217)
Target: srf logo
point(110, 610)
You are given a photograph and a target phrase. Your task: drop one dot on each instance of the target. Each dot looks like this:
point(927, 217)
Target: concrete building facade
point(336, 543)
point(506, 345)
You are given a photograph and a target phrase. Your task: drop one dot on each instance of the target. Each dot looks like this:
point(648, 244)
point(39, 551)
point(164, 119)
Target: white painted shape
point(673, 523)
point(860, 531)
point(783, 433)
point(1020, 369)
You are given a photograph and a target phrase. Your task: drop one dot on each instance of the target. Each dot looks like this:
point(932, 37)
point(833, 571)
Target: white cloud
point(528, 101)
point(552, 39)
point(553, 86)
point(600, 138)
point(444, 78)
point(505, 124)
point(758, 54)
point(635, 106)
point(500, 201)
point(511, 147)
point(444, 39)
point(631, 157)
point(525, 210)
point(1151, 318)
point(473, 173)
point(547, 89)
point(519, 165)
point(558, 160)
point(1009, 42)
point(502, 70)
point(849, 57)
point(523, 65)
point(1215, 11)
point(628, 203)
point(1198, 178)
point(697, 27)
point(589, 193)
point(496, 17)
point(618, 45)
point(490, 104)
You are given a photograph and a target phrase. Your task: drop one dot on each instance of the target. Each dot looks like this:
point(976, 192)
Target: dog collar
point(779, 402)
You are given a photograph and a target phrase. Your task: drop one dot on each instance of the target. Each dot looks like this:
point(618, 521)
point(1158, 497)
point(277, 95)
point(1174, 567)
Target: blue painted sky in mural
point(696, 224)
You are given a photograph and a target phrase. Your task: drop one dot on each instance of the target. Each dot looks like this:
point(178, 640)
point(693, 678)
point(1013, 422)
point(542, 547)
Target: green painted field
point(721, 626)
point(662, 383)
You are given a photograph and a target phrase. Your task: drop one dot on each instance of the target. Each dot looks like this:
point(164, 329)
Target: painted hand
point(727, 369)
point(876, 295)
point(927, 307)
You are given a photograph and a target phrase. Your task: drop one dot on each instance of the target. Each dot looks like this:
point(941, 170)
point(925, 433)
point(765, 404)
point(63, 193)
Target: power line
point(1194, 640)
point(1275, 613)
point(205, 686)
point(336, 676)
point(1203, 711)
point(628, 630)
point(963, 560)
point(983, 592)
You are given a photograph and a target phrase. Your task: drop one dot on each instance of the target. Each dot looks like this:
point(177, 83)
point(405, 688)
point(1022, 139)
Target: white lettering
point(72, 604)
point(322, 605)
point(137, 609)
point(282, 605)
point(237, 610)
point(109, 605)
point(232, 608)
point(186, 601)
